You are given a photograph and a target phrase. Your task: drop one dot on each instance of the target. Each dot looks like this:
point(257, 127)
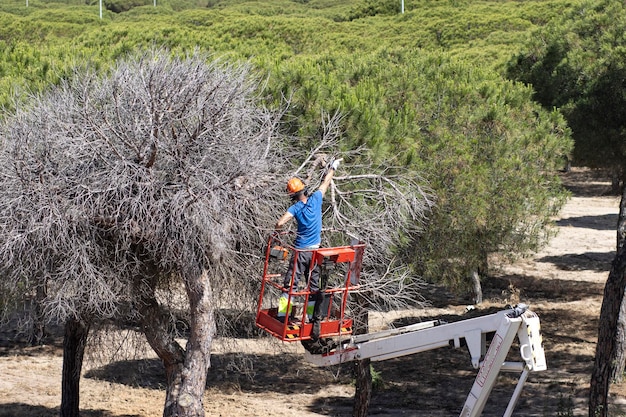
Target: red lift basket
point(340, 268)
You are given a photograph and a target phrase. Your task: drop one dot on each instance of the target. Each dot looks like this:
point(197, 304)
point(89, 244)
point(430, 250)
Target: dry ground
point(263, 377)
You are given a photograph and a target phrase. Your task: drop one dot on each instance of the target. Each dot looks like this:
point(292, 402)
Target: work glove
point(335, 164)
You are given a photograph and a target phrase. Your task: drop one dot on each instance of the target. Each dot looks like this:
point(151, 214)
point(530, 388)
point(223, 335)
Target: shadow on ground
point(532, 289)
point(26, 410)
point(231, 373)
point(603, 222)
point(585, 182)
point(589, 261)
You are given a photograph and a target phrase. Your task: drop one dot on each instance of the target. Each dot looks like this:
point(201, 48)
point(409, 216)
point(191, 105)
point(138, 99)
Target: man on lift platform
point(307, 210)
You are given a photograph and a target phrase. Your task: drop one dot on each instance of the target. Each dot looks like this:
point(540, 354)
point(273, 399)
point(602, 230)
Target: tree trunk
point(362, 372)
point(198, 358)
point(617, 365)
point(476, 287)
point(38, 332)
point(157, 328)
point(616, 183)
point(74, 341)
point(186, 371)
point(363, 393)
point(617, 368)
point(606, 347)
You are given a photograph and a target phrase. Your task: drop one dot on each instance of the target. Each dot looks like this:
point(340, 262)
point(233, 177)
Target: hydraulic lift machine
point(488, 338)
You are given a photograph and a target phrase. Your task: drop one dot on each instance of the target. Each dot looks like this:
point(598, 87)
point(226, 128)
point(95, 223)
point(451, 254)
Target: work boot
point(313, 346)
point(315, 331)
point(319, 346)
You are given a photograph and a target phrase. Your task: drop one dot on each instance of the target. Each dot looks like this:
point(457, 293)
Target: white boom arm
point(432, 335)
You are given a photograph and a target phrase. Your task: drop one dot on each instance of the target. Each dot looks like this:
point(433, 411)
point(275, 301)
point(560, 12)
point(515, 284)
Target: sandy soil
point(563, 284)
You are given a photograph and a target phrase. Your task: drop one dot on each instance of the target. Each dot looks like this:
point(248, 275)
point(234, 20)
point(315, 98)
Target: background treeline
point(577, 63)
point(425, 89)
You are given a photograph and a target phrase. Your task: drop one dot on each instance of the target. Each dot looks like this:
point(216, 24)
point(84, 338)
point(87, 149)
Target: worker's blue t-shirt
point(309, 218)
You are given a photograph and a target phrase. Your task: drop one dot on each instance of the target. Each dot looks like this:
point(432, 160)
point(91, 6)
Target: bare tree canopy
point(169, 154)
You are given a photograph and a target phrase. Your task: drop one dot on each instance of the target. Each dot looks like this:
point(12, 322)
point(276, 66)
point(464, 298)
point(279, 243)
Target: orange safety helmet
point(295, 185)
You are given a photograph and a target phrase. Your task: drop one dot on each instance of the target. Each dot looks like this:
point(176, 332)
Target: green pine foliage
point(577, 63)
point(421, 90)
point(490, 153)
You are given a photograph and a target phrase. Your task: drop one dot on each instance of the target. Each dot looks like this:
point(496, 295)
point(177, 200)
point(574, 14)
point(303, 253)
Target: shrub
point(120, 6)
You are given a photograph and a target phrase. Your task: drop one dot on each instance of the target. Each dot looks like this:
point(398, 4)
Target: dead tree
point(158, 173)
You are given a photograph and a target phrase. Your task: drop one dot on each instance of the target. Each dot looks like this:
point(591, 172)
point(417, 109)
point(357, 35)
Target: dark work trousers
point(303, 266)
point(317, 303)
